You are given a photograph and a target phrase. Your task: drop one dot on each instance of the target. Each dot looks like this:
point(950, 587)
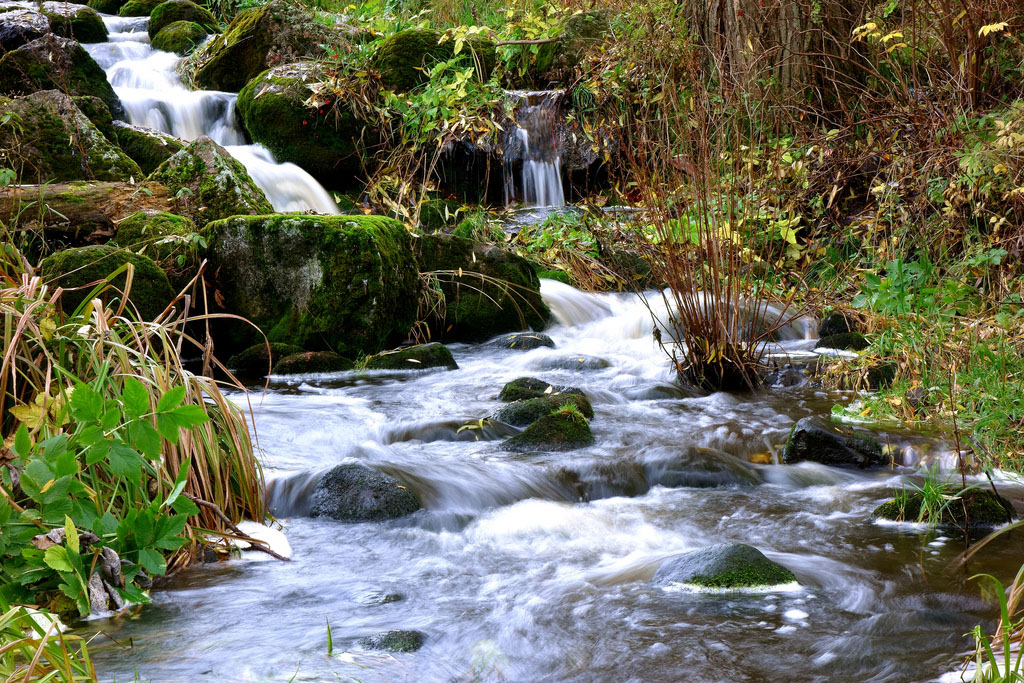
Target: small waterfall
point(153, 96)
point(534, 145)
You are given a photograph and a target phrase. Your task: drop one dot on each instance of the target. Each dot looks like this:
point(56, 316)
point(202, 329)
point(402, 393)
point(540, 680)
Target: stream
point(508, 573)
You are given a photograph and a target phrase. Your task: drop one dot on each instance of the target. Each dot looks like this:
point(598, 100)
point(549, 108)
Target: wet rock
point(179, 37)
point(573, 363)
point(377, 597)
point(138, 8)
point(726, 565)
point(107, 6)
point(256, 359)
point(55, 63)
point(419, 357)
point(438, 213)
point(523, 341)
point(21, 26)
point(847, 341)
point(404, 57)
point(307, 362)
point(328, 141)
point(356, 493)
point(78, 22)
point(697, 467)
point(835, 323)
point(214, 184)
point(558, 432)
point(171, 11)
point(821, 441)
point(50, 120)
point(342, 283)
point(162, 236)
point(531, 387)
point(150, 292)
point(147, 147)
point(881, 375)
point(527, 411)
point(985, 509)
point(488, 290)
point(599, 479)
point(395, 641)
point(97, 112)
point(257, 39)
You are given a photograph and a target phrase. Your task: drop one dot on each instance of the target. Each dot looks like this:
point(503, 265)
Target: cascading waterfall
point(153, 96)
point(535, 141)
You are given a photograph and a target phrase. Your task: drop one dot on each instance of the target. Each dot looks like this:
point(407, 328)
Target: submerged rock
point(419, 357)
point(171, 11)
point(726, 565)
point(394, 641)
point(404, 57)
point(523, 341)
point(697, 467)
point(984, 509)
point(821, 441)
point(147, 147)
point(257, 359)
point(78, 22)
point(562, 431)
point(180, 37)
point(356, 493)
point(576, 362)
point(307, 362)
point(531, 387)
point(527, 411)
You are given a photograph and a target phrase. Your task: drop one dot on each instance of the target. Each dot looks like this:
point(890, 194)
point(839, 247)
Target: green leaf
point(185, 507)
point(167, 427)
point(125, 462)
point(135, 398)
point(189, 415)
point(170, 400)
point(56, 557)
point(152, 561)
point(22, 442)
point(91, 435)
point(145, 438)
point(71, 535)
point(179, 482)
point(97, 452)
point(86, 403)
point(54, 447)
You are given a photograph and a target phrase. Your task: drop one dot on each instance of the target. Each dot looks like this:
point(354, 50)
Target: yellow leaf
point(31, 416)
point(992, 28)
point(47, 327)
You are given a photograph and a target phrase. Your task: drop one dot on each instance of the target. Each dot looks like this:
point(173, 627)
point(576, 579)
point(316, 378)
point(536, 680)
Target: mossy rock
point(164, 237)
point(985, 509)
point(216, 185)
point(557, 432)
point(21, 26)
point(419, 357)
point(179, 37)
point(723, 566)
point(394, 641)
point(528, 410)
point(55, 63)
point(258, 39)
point(818, 440)
point(557, 275)
point(523, 341)
point(835, 323)
point(356, 493)
point(310, 362)
point(403, 57)
point(340, 283)
point(138, 8)
point(328, 142)
point(147, 147)
point(78, 22)
point(848, 341)
point(150, 293)
point(97, 111)
point(577, 35)
point(258, 359)
point(436, 214)
point(498, 292)
point(49, 120)
point(172, 11)
point(531, 387)
point(107, 6)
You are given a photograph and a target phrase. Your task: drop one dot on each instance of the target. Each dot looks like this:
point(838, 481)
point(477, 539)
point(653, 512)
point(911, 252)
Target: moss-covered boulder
point(97, 111)
point(259, 359)
point(496, 292)
point(309, 362)
point(164, 237)
point(564, 430)
point(528, 410)
point(822, 441)
point(356, 493)
point(419, 357)
point(138, 8)
point(394, 641)
point(847, 341)
point(436, 214)
point(172, 11)
point(150, 292)
point(523, 341)
point(107, 6)
point(327, 141)
point(341, 283)
point(985, 509)
point(578, 34)
point(147, 147)
point(214, 184)
point(18, 27)
point(55, 63)
point(257, 39)
point(180, 37)
point(78, 22)
point(834, 323)
point(723, 566)
point(58, 142)
point(531, 387)
point(404, 57)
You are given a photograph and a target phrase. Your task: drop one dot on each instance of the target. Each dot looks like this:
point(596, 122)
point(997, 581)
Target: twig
point(254, 542)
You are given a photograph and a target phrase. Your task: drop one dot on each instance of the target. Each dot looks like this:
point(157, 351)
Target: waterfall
point(154, 96)
point(535, 147)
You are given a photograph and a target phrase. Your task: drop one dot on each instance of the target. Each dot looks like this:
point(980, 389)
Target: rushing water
point(541, 174)
point(512, 577)
point(153, 96)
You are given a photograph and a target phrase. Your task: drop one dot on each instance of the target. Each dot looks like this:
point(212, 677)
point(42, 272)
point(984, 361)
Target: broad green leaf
point(145, 438)
point(135, 398)
point(22, 442)
point(185, 507)
point(152, 561)
point(189, 415)
point(71, 535)
point(91, 435)
point(56, 557)
point(179, 482)
point(86, 403)
point(170, 400)
point(125, 462)
point(167, 427)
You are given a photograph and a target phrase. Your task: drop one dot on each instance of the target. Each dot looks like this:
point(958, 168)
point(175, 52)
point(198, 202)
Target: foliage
point(33, 648)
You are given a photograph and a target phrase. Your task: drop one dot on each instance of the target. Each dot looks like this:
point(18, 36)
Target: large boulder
point(356, 493)
point(564, 430)
point(97, 111)
point(257, 39)
point(528, 410)
point(180, 37)
point(147, 147)
point(404, 57)
point(150, 292)
point(419, 357)
point(821, 441)
point(310, 362)
point(55, 63)
point(168, 12)
point(167, 238)
point(723, 566)
point(260, 358)
point(78, 22)
point(58, 142)
point(487, 290)
point(107, 6)
point(138, 8)
point(327, 141)
point(341, 283)
point(531, 387)
point(212, 183)
point(18, 27)
point(984, 509)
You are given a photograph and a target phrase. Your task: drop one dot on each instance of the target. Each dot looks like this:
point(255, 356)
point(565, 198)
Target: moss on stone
point(436, 214)
point(308, 362)
point(724, 566)
point(75, 21)
point(164, 237)
point(147, 147)
point(180, 37)
point(531, 387)
point(258, 358)
point(527, 411)
point(49, 121)
point(138, 8)
point(107, 6)
point(341, 283)
point(55, 63)
point(559, 431)
point(171, 11)
point(403, 57)
point(419, 357)
point(559, 275)
point(150, 292)
point(97, 111)
point(984, 509)
point(849, 341)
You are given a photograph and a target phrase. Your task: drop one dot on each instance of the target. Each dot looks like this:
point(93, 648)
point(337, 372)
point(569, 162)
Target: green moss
point(419, 357)
point(257, 358)
point(436, 214)
point(341, 283)
point(107, 6)
point(148, 148)
point(180, 37)
point(556, 432)
point(97, 111)
point(725, 566)
point(531, 387)
point(850, 341)
point(78, 22)
point(403, 57)
point(527, 411)
point(984, 509)
point(150, 292)
point(307, 362)
point(138, 8)
point(164, 237)
point(172, 11)
point(559, 275)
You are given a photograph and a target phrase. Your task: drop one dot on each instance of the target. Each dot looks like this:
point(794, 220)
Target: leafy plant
point(33, 648)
